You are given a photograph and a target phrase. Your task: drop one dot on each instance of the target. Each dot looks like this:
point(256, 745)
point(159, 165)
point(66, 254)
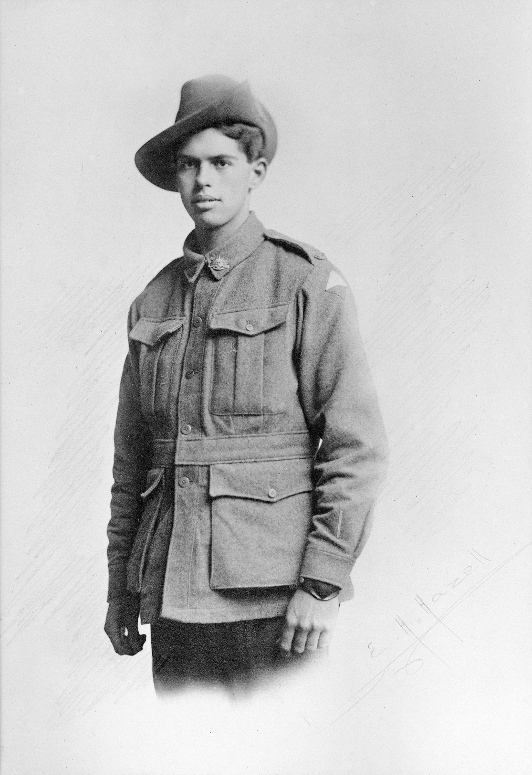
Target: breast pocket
point(156, 338)
point(261, 517)
point(249, 361)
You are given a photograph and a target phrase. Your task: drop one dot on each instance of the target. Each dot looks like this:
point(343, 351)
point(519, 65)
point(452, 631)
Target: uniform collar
point(222, 259)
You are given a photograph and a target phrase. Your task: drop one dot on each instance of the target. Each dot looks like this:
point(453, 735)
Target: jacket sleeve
point(129, 473)
point(340, 405)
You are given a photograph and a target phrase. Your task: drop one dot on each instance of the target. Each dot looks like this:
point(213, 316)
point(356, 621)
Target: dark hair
point(249, 138)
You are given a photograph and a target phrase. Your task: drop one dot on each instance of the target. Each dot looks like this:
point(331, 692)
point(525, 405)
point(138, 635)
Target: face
point(215, 180)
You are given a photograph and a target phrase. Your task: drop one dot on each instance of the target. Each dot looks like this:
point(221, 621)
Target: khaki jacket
point(272, 394)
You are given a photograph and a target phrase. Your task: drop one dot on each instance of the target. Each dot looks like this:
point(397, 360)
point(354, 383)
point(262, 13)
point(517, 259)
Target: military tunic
point(249, 448)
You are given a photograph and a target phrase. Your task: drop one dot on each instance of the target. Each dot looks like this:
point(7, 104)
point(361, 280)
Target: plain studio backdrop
point(403, 155)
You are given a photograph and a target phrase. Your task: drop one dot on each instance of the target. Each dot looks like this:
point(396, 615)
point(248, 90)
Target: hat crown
point(200, 93)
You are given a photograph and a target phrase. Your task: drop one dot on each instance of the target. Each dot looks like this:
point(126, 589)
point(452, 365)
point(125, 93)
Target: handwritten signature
point(376, 651)
point(405, 662)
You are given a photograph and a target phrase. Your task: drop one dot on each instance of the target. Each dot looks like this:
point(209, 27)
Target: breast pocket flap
point(250, 322)
point(150, 332)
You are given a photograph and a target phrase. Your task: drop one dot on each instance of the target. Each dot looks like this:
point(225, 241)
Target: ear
point(258, 172)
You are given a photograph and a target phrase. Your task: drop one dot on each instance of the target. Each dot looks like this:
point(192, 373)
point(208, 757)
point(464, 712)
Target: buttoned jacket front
point(263, 382)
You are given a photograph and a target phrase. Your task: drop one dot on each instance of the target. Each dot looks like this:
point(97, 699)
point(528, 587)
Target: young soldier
point(249, 448)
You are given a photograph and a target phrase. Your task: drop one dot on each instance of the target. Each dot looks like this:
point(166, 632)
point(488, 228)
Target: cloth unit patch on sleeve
point(336, 284)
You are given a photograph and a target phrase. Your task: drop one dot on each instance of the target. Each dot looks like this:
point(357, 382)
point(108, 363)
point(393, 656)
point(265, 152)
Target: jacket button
point(186, 429)
point(184, 481)
point(272, 492)
point(190, 373)
point(197, 322)
point(241, 323)
point(249, 327)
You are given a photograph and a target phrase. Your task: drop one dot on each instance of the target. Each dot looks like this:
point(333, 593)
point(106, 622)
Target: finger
point(312, 640)
point(300, 640)
point(132, 641)
point(126, 642)
point(136, 642)
point(129, 650)
point(115, 636)
point(132, 631)
point(325, 639)
point(287, 637)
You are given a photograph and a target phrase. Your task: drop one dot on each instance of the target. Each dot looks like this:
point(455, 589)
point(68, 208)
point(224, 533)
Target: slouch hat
point(206, 101)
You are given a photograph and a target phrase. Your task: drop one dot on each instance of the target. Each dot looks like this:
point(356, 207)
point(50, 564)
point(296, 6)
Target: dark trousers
point(231, 654)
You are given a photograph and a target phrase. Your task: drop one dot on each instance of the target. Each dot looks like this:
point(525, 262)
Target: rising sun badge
point(217, 263)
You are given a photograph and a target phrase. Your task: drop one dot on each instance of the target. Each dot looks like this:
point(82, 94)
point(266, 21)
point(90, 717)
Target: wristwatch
point(321, 590)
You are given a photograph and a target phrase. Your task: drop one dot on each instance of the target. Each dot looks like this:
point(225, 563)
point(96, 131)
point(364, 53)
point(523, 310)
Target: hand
point(309, 623)
point(121, 627)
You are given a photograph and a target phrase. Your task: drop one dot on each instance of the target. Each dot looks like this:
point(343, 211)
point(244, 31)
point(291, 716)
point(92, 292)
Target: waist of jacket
point(247, 448)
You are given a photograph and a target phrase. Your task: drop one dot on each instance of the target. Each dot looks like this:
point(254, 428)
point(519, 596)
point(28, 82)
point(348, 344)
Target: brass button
point(197, 322)
point(190, 373)
point(272, 492)
point(184, 481)
point(186, 429)
point(249, 327)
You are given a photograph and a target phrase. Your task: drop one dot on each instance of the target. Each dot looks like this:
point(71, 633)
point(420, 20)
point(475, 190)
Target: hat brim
point(155, 160)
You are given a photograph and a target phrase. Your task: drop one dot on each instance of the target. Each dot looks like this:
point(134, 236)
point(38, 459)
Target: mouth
point(201, 200)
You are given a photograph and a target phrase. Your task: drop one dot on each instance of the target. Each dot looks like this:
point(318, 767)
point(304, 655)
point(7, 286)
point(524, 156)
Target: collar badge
point(217, 263)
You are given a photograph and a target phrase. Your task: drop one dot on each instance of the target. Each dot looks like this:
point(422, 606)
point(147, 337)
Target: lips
point(204, 199)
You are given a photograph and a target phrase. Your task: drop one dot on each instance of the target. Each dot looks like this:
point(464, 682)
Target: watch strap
point(320, 590)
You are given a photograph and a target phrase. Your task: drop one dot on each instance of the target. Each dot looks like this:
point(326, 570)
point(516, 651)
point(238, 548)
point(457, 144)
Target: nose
point(203, 176)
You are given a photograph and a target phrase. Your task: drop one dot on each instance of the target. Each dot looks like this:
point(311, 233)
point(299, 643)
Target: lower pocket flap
point(268, 481)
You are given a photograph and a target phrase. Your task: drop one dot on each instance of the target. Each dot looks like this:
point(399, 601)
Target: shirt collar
point(222, 259)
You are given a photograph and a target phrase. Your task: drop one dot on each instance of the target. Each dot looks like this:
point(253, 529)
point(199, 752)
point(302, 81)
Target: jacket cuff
point(326, 566)
point(117, 582)
point(347, 591)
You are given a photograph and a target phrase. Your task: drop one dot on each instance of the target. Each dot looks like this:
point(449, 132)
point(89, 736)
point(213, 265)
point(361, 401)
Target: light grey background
point(403, 155)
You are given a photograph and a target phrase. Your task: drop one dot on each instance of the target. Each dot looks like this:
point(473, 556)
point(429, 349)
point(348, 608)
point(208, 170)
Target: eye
point(185, 164)
point(220, 163)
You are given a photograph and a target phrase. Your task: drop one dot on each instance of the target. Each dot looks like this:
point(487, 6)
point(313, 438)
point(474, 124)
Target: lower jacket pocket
point(261, 516)
point(152, 498)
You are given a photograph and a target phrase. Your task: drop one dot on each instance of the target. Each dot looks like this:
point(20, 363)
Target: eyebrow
point(183, 156)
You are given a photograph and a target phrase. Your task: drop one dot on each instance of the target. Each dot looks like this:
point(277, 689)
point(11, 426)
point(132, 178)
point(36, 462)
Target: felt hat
point(212, 99)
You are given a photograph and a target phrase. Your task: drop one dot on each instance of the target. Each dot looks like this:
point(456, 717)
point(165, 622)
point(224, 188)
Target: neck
point(210, 239)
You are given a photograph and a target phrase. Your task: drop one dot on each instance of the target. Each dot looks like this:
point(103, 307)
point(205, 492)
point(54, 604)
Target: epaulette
point(307, 251)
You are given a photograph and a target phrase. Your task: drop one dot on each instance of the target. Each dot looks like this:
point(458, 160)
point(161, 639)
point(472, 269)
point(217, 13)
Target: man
point(249, 448)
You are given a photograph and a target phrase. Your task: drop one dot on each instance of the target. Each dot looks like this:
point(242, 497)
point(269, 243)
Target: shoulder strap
point(307, 251)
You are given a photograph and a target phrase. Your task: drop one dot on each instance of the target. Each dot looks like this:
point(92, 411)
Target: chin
point(210, 221)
